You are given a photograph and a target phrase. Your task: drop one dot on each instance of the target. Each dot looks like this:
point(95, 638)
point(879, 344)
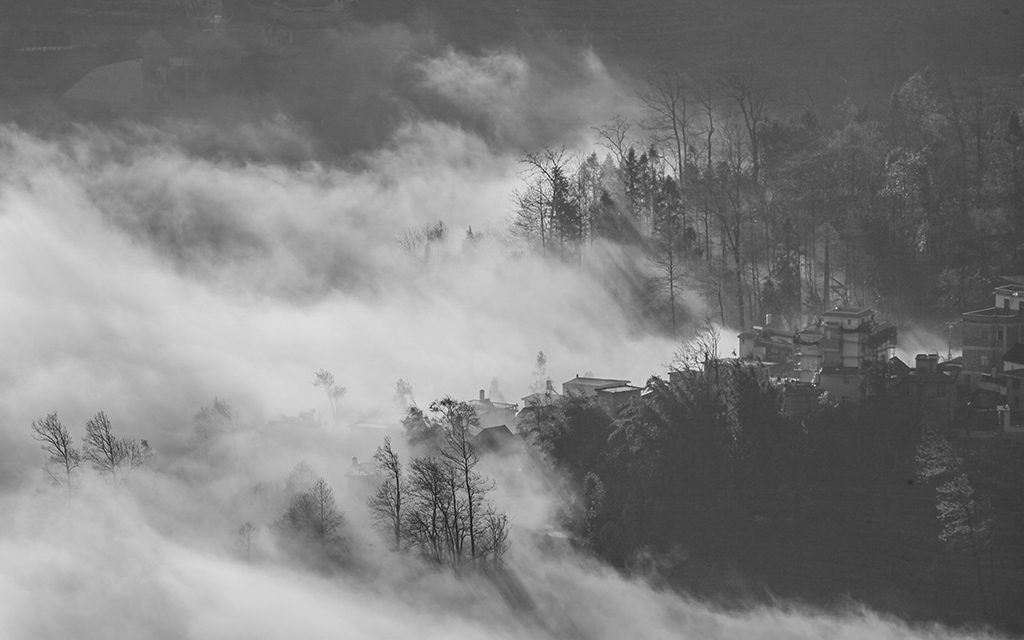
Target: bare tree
point(313, 520)
point(615, 138)
point(386, 504)
point(325, 380)
point(548, 207)
point(495, 535)
point(116, 457)
point(248, 533)
point(211, 422)
point(63, 458)
point(418, 243)
point(668, 241)
point(701, 349)
point(670, 113)
point(749, 89)
point(428, 519)
point(459, 453)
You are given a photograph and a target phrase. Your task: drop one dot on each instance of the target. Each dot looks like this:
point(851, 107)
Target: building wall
point(1008, 302)
point(985, 342)
point(1015, 393)
point(842, 386)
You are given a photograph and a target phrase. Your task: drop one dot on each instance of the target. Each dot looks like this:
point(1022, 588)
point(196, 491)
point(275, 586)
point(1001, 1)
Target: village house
point(988, 334)
point(362, 478)
point(611, 393)
point(494, 414)
point(544, 398)
point(836, 352)
point(769, 346)
point(930, 386)
point(497, 440)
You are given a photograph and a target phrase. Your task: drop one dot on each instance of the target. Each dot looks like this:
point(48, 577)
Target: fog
point(147, 268)
point(98, 567)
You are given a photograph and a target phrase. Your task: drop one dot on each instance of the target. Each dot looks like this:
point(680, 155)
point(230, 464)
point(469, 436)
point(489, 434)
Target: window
point(1015, 383)
point(999, 334)
point(984, 361)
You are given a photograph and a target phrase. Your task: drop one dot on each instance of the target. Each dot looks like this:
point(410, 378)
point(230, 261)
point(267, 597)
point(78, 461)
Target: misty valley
point(527, 319)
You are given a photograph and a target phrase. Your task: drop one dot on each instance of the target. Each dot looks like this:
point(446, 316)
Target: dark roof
point(118, 85)
point(153, 40)
point(1015, 354)
point(493, 439)
point(898, 366)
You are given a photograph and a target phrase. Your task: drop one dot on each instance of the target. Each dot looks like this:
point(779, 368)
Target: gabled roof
point(1015, 354)
point(493, 439)
point(153, 40)
point(899, 367)
point(117, 85)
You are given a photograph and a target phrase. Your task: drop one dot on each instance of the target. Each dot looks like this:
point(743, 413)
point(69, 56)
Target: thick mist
point(147, 268)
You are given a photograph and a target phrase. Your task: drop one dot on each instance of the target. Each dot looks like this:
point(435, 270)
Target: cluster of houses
point(846, 355)
point(849, 354)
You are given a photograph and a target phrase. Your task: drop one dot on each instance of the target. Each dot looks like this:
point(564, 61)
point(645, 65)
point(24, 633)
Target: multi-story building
point(612, 394)
point(768, 346)
point(989, 333)
point(835, 352)
point(494, 414)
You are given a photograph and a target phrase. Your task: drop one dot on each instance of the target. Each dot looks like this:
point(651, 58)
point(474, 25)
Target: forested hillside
point(914, 209)
point(709, 484)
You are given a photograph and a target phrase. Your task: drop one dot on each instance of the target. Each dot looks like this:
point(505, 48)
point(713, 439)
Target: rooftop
point(991, 312)
point(625, 388)
point(153, 40)
point(1015, 354)
point(849, 312)
point(1014, 290)
point(596, 383)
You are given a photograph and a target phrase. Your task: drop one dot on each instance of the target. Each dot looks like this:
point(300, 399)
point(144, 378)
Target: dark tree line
point(724, 188)
point(718, 449)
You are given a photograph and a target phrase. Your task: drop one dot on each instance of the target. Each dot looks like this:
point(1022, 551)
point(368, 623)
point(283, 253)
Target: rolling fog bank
point(148, 268)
